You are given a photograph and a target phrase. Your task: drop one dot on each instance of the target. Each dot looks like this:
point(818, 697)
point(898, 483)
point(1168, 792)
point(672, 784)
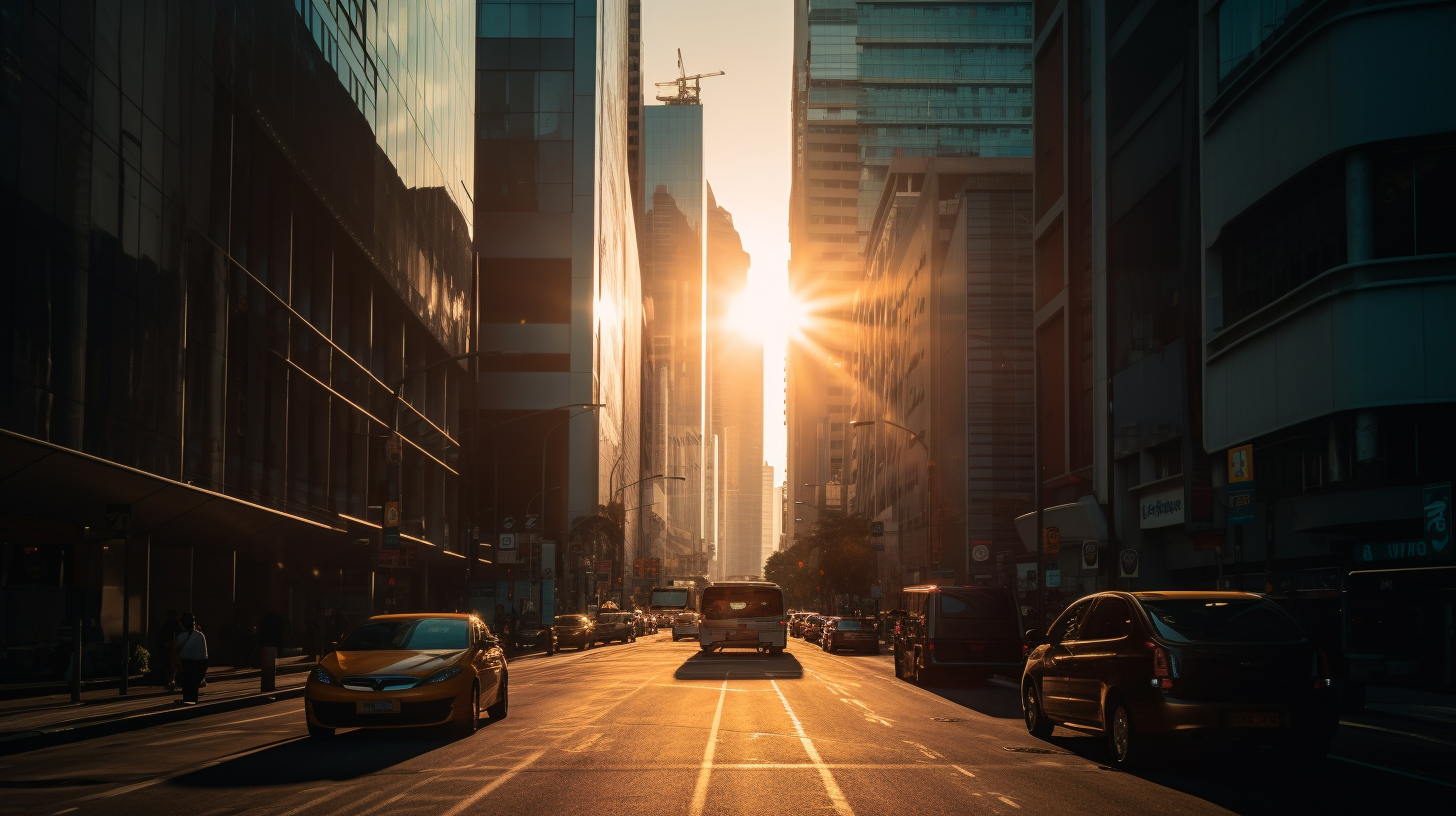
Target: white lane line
point(516, 769)
point(831, 787)
point(315, 801)
point(705, 770)
point(1348, 724)
point(59, 812)
point(203, 735)
point(710, 688)
point(1421, 777)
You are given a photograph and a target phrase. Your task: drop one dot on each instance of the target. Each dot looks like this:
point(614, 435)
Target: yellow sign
point(1051, 541)
point(1241, 464)
point(391, 514)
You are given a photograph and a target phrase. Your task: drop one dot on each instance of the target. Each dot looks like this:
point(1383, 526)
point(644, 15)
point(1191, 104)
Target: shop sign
point(1241, 464)
point(604, 568)
point(1241, 505)
point(1161, 509)
point(1418, 549)
point(1051, 541)
point(1089, 555)
point(1127, 564)
point(1436, 504)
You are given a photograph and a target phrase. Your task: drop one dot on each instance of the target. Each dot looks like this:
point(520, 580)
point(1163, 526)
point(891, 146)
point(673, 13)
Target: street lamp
point(930, 503)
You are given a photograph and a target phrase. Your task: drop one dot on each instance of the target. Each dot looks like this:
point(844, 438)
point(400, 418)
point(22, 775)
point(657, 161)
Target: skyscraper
point(229, 238)
point(873, 81)
point(672, 237)
point(735, 386)
point(560, 289)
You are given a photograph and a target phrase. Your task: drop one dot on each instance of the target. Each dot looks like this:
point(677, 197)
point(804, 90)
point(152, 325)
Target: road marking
point(291, 713)
point(836, 796)
point(964, 771)
point(1399, 733)
point(587, 745)
point(1421, 777)
point(59, 812)
point(317, 800)
point(516, 769)
point(1009, 802)
point(710, 688)
point(705, 770)
point(203, 735)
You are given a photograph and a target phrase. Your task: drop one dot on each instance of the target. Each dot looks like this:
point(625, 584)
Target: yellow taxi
point(397, 671)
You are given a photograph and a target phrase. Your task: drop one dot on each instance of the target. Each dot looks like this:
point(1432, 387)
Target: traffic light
point(801, 565)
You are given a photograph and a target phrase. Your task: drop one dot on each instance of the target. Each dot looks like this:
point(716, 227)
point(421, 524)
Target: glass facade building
point(560, 292)
point(677, 440)
point(229, 233)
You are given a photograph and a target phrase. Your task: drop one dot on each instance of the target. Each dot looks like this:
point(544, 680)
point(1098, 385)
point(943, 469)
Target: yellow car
point(396, 671)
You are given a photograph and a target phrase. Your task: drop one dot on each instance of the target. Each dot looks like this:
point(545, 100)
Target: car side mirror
point(1035, 637)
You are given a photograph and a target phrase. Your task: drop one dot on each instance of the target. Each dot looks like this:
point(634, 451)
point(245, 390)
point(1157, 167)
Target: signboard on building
point(877, 529)
point(1053, 577)
point(1161, 509)
point(604, 568)
point(1241, 464)
point(1089, 555)
point(1051, 541)
point(1436, 506)
point(1127, 564)
point(1241, 505)
point(877, 592)
point(507, 542)
point(981, 552)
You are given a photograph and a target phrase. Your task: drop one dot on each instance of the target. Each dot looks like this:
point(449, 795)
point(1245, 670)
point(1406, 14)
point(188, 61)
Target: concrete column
point(1359, 207)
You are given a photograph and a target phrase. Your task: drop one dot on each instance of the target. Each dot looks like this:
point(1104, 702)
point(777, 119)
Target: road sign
point(1127, 564)
point(1051, 541)
point(1241, 505)
point(508, 523)
point(391, 538)
point(981, 552)
point(1241, 464)
point(391, 514)
point(507, 542)
point(1089, 555)
point(877, 529)
point(876, 592)
point(531, 520)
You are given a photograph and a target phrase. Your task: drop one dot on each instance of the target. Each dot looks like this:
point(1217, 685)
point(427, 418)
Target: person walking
point(167, 662)
point(192, 649)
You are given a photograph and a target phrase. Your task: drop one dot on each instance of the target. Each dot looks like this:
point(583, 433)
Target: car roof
point(1196, 595)
point(422, 616)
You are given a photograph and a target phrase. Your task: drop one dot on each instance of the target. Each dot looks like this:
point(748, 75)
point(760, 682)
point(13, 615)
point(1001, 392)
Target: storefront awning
point(1079, 521)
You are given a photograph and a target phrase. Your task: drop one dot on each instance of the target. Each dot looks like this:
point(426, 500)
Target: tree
point(833, 556)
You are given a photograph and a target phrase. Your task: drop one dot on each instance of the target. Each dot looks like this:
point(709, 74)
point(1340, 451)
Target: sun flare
point(767, 313)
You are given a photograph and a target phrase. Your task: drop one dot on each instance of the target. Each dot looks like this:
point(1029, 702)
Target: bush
point(141, 660)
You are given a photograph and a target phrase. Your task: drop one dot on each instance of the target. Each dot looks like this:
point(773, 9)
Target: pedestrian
point(192, 650)
point(168, 663)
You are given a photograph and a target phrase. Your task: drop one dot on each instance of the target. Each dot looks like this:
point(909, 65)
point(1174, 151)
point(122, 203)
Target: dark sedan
point(850, 633)
point(530, 635)
point(574, 630)
point(1133, 667)
point(612, 626)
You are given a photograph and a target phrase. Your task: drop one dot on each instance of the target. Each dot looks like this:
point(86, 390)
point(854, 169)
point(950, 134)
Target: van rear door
point(976, 625)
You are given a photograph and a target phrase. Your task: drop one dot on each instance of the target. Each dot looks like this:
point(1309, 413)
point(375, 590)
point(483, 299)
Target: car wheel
point(705, 647)
point(1122, 742)
point(498, 709)
point(581, 647)
point(466, 727)
point(319, 732)
point(1036, 722)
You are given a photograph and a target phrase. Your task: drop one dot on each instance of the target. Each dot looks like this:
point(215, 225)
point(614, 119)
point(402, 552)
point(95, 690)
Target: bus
point(747, 614)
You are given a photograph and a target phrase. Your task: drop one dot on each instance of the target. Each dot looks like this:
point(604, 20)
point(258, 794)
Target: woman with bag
point(192, 649)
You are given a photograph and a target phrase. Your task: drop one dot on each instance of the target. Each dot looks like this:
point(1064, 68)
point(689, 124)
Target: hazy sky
point(746, 145)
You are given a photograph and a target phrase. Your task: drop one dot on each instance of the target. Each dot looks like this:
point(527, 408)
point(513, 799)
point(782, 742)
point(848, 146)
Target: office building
point(943, 366)
point(679, 511)
point(735, 387)
point(770, 511)
point(228, 238)
point(561, 297)
point(871, 82)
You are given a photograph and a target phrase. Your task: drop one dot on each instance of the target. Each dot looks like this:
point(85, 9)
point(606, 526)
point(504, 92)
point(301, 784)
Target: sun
point(767, 313)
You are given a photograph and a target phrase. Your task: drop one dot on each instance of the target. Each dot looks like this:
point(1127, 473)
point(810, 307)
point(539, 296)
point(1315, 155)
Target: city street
point(657, 728)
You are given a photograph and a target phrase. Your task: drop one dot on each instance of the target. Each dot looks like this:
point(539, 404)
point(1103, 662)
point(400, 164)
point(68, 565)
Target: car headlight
point(322, 676)
point(441, 676)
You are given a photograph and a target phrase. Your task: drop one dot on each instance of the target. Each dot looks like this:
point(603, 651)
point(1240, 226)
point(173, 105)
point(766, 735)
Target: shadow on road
point(991, 700)
point(347, 756)
point(739, 665)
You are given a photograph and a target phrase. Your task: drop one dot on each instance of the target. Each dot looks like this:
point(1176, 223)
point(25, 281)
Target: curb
point(34, 740)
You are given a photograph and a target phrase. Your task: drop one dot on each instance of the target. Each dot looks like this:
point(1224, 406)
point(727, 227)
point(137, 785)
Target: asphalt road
point(657, 728)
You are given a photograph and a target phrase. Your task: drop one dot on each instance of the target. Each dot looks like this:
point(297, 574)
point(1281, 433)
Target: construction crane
point(686, 94)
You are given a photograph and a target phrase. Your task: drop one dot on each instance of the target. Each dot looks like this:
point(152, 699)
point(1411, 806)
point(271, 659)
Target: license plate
point(1254, 719)
point(378, 707)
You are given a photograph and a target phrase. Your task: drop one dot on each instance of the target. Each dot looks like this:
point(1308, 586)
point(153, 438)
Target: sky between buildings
point(746, 142)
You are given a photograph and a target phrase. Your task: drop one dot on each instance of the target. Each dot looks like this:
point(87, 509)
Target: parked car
point(851, 633)
point(796, 623)
point(574, 630)
point(1216, 665)
point(813, 625)
point(961, 633)
point(684, 625)
point(530, 635)
point(395, 671)
point(612, 626)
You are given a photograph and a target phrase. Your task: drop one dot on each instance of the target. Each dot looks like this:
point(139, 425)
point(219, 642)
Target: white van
point(746, 614)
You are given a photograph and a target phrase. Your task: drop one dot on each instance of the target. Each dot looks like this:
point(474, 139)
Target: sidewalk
point(1411, 704)
point(35, 722)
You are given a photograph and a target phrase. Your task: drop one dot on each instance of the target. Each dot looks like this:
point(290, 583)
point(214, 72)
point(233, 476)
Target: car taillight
point(1161, 672)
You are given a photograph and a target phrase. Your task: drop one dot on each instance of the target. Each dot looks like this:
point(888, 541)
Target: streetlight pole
point(931, 528)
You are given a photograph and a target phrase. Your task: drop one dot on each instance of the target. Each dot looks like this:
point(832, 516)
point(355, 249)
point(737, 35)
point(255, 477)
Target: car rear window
point(855, 624)
point(722, 603)
point(1194, 620)
point(976, 614)
point(424, 633)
